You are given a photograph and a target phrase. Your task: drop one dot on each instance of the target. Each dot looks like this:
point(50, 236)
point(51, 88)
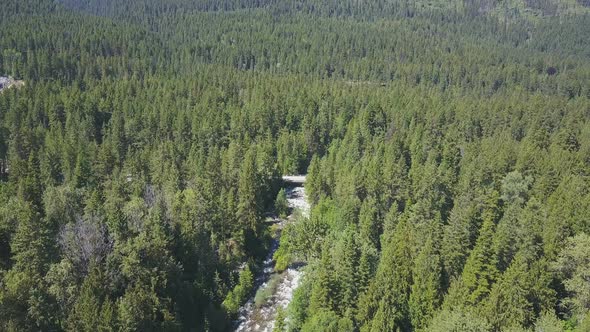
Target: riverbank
point(276, 289)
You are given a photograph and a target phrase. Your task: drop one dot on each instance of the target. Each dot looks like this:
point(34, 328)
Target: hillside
point(446, 146)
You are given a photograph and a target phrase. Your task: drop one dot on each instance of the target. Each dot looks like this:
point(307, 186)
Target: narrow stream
point(276, 289)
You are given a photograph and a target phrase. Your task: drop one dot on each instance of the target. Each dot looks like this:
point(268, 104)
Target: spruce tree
point(425, 297)
point(480, 271)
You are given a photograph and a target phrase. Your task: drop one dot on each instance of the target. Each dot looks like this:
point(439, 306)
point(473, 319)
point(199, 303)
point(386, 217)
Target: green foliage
point(298, 309)
point(508, 304)
point(425, 297)
point(480, 271)
point(385, 304)
point(327, 321)
point(548, 322)
point(447, 146)
point(280, 324)
point(282, 256)
point(573, 266)
point(92, 310)
point(263, 294)
point(459, 235)
point(249, 207)
point(141, 309)
point(458, 321)
point(238, 296)
point(281, 205)
point(515, 187)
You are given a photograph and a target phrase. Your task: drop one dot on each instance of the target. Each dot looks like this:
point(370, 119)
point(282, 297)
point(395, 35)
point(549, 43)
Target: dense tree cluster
point(447, 146)
point(446, 208)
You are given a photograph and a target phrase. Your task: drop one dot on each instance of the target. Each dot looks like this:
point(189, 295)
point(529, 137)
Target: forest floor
point(276, 289)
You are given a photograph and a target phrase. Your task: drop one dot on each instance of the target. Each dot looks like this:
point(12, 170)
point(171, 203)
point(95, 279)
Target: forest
point(446, 146)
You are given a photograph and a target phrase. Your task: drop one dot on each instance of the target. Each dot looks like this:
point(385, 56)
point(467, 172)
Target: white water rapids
point(278, 288)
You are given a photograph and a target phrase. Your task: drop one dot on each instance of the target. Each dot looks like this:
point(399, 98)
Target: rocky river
point(275, 290)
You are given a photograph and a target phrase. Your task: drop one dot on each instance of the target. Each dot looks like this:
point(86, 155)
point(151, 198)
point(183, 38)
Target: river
point(275, 289)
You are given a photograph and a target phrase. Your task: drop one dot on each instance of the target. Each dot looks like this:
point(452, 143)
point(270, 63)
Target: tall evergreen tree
point(480, 271)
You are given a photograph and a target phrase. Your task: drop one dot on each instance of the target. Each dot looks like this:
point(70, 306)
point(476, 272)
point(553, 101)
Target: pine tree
point(384, 317)
point(86, 312)
point(574, 267)
point(366, 267)
point(313, 184)
point(480, 271)
point(281, 204)
point(458, 321)
point(508, 304)
point(324, 288)
point(426, 290)
point(457, 238)
point(30, 188)
point(389, 292)
point(82, 172)
point(24, 295)
point(347, 274)
point(369, 225)
point(248, 199)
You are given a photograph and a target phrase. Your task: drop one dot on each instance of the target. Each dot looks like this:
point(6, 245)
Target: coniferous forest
point(446, 145)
